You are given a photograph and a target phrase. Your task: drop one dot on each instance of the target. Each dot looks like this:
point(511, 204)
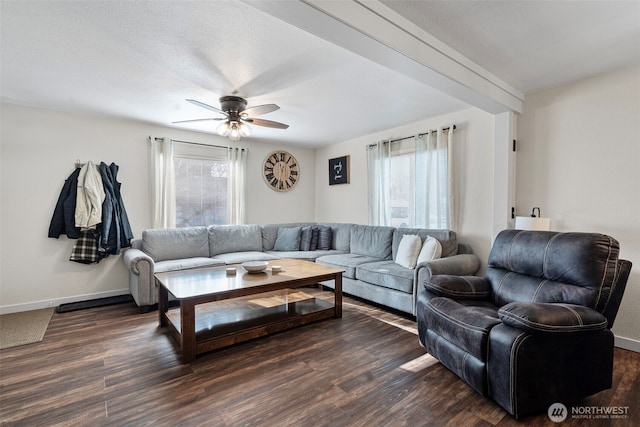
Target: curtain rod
point(199, 143)
point(420, 134)
point(409, 137)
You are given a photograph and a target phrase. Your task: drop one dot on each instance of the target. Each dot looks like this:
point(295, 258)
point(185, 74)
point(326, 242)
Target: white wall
point(38, 151)
point(579, 161)
point(473, 151)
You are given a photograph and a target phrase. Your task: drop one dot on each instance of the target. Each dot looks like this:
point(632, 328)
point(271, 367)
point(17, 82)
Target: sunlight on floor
point(377, 315)
point(422, 362)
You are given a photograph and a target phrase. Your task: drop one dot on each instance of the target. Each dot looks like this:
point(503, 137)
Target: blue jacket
point(115, 228)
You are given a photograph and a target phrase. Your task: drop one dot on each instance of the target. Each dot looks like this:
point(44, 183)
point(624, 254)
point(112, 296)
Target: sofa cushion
point(234, 238)
point(372, 241)
point(305, 238)
point(408, 251)
point(387, 274)
point(315, 234)
point(288, 239)
point(447, 238)
point(240, 257)
point(269, 232)
point(340, 235)
point(175, 243)
point(324, 237)
point(431, 249)
point(347, 262)
point(305, 255)
point(185, 264)
point(466, 326)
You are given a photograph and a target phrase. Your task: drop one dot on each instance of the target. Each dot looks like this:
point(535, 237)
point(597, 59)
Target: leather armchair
point(536, 329)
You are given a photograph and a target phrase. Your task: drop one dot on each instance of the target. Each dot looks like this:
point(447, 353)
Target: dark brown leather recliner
point(536, 329)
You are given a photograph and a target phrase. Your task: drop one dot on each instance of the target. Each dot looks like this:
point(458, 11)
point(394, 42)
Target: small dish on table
point(255, 266)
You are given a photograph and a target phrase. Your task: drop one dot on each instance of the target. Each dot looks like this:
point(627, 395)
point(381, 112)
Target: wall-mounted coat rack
point(90, 208)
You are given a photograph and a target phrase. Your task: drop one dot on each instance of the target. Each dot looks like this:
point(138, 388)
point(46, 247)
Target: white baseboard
point(36, 305)
point(627, 343)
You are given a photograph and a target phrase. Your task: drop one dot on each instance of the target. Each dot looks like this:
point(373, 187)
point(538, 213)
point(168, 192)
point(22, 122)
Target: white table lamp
point(533, 222)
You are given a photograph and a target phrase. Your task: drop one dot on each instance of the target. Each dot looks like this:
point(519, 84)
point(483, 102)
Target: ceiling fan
point(237, 115)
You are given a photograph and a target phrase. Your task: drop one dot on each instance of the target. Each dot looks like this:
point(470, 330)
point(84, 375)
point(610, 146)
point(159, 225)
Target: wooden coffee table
point(240, 319)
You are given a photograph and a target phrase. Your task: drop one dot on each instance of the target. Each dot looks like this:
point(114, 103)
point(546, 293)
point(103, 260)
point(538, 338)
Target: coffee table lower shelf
point(220, 325)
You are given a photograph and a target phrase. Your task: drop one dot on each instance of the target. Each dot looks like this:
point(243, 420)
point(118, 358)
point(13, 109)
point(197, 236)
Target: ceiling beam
point(372, 30)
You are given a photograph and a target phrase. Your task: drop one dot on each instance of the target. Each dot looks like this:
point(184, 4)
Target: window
point(201, 191)
point(410, 181)
point(402, 184)
point(200, 176)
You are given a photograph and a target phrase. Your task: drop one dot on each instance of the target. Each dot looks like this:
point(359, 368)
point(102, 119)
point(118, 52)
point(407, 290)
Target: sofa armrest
point(551, 317)
point(458, 265)
point(458, 287)
point(132, 257)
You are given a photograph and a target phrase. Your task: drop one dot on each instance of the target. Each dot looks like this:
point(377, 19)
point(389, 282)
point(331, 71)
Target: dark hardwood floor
point(114, 366)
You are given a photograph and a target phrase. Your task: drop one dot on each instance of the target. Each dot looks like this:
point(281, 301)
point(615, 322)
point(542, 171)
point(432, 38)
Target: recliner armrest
point(459, 287)
point(551, 317)
point(132, 257)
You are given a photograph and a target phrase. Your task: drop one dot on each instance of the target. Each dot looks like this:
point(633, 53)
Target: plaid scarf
point(85, 250)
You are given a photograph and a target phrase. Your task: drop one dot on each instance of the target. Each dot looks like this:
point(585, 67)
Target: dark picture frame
point(339, 170)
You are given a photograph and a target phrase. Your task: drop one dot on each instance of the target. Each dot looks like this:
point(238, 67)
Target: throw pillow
point(431, 249)
point(305, 238)
point(408, 251)
point(288, 239)
point(314, 238)
point(324, 237)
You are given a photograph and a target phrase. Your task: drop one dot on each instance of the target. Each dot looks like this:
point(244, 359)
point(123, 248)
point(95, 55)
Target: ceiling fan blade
point(266, 123)
point(259, 110)
point(195, 120)
point(207, 106)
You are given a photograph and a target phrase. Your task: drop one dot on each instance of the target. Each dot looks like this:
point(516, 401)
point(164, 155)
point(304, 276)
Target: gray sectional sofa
point(367, 254)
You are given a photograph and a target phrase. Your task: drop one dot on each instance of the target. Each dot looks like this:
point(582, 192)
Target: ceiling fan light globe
point(244, 129)
point(223, 129)
point(234, 131)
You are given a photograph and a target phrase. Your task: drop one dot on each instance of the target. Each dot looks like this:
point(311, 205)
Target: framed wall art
point(339, 170)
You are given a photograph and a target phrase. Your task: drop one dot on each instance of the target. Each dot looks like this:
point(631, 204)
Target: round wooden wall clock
point(281, 171)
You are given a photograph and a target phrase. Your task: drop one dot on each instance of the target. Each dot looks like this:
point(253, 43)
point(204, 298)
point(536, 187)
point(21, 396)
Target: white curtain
point(378, 165)
point(434, 206)
point(162, 183)
point(236, 186)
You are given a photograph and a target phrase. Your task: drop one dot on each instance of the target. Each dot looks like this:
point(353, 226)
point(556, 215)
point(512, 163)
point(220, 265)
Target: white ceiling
point(534, 44)
point(141, 60)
